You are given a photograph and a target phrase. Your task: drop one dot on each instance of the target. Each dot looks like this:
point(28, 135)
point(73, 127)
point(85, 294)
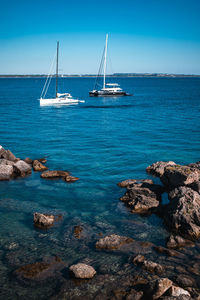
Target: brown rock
point(82, 271)
point(42, 160)
point(43, 220)
point(176, 241)
point(54, 174)
point(142, 197)
point(28, 160)
point(113, 241)
point(139, 259)
point(71, 178)
point(38, 166)
point(129, 182)
point(182, 214)
point(7, 154)
point(158, 287)
point(176, 291)
point(77, 231)
point(166, 251)
point(21, 168)
point(158, 168)
point(177, 175)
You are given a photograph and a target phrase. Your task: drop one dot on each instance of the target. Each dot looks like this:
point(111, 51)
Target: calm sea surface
point(103, 141)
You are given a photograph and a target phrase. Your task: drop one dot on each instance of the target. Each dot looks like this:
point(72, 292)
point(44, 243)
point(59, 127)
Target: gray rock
point(113, 241)
point(21, 168)
point(177, 175)
point(158, 168)
point(142, 197)
point(6, 172)
point(4, 161)
point(182, 214)
point(82, 271)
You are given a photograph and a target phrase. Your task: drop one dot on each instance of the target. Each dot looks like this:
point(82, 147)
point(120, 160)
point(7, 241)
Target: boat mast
point(104, 75)
point(57, 69)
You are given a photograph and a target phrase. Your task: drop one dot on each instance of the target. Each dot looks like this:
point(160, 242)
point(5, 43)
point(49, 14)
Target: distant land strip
point(93, 75)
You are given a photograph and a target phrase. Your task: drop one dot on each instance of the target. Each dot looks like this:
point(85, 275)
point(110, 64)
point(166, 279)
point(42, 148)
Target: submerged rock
point(6, 171)
point(38, 166)
point(158, 168)
point(142, 197)
point(113, 241)
point(77, 231)
point(54, 174)
point(43, 220)
point(82, 271)
point(40, 270)
point(176, 241)
point(182, 214)
point(129, 182)
point(148, 265)
point(21, 168)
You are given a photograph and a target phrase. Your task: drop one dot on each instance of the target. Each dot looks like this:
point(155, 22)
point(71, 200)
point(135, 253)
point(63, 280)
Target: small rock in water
point(38, 166)
point(71, 178)
point(128, 182)
point(148, 265)
point(54, 174)
point(113, 241)
point(43, 220)
point(82, 271)
point(77, 231)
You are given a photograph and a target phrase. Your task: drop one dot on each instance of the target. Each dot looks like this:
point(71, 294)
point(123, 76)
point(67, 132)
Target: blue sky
point(144, 35)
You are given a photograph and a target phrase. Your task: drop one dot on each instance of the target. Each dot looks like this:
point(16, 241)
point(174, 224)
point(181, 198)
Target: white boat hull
point(58, 101)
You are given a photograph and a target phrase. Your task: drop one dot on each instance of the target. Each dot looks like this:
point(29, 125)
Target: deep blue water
point(102, 141)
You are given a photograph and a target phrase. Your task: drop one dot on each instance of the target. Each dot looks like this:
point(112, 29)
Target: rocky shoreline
point(148, 271)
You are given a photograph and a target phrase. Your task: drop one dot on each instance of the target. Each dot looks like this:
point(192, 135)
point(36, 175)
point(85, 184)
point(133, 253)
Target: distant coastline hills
point(159, 75)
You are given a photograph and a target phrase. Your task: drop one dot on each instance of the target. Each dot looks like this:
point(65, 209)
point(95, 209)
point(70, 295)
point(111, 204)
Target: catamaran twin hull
point(107, 94)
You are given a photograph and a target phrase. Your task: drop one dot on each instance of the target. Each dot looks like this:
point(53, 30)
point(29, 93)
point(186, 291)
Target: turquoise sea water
point(103, 141)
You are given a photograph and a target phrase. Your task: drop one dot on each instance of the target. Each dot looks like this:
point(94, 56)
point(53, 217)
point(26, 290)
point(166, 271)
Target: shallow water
point(102, 141)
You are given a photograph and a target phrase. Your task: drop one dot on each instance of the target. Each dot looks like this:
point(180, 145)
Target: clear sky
point(161, 36)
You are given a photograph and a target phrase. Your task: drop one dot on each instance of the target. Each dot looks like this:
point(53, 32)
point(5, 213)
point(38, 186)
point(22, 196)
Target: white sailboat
point(108, 89)
point(60, 98)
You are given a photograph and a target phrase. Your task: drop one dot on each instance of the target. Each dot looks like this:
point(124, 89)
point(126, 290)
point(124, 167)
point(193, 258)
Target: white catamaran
point(109, 89)
point(60, 98)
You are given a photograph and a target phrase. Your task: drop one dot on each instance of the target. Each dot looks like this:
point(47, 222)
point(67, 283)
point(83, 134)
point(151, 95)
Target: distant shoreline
point(116, 75)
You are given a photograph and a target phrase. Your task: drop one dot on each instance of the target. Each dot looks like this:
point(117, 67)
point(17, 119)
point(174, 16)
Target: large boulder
point(82, 271)
point(157, 169)
point(182, 214)
point(113, 241)
point(38, 166)
point(6, 171)
point(142, 197)
point(54, 174)
point(4, 161)
point(43, 220)
point(21, 168)
point(177, 175)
